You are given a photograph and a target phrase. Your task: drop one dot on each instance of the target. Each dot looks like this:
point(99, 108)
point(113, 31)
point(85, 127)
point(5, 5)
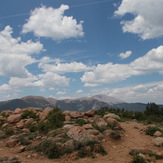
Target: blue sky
point(77, 48)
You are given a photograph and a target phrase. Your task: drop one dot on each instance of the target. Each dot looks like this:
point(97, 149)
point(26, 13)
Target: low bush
point(55, 118)
point(24, 140)
point(32, 127)
point(9, 132)
point(81, 122)
point(29, 114)
point(44, 127)
point(115, 135)
point(101, 129)
point(138, 159)
point(90, 149)
point(153, 154)
point(50, 149)
point(151, 130)
point(112, 125)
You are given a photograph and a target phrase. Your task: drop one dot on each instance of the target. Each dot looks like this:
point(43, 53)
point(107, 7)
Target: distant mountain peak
point(108, 99)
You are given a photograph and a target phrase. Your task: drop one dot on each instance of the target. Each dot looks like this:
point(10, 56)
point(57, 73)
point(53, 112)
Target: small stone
point(88, 126)
point(158, 141)
point(21, 149)
point(142, 155)
point(158, 134)
point(11, 143)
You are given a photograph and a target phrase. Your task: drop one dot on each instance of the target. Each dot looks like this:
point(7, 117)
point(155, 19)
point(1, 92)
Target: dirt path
point(118, 151)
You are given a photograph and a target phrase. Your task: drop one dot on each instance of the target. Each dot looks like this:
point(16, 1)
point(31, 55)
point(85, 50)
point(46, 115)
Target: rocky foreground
point(45, 136)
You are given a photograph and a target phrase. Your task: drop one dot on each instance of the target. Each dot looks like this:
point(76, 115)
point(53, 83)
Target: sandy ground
point(118, 151)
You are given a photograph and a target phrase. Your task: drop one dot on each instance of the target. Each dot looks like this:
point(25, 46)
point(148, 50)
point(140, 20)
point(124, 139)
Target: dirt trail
point(118, 151)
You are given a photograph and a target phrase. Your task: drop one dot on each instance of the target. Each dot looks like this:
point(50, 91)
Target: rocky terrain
point(35, 135)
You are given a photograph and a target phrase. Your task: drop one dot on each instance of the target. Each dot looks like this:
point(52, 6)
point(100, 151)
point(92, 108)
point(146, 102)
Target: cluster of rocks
point(146, 155)
point(78, 128)
point(157, 133)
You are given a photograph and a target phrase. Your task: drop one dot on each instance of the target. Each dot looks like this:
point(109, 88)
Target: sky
point(79, 48)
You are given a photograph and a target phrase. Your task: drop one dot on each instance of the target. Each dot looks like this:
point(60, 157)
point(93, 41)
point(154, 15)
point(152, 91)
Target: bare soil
point(118, 150)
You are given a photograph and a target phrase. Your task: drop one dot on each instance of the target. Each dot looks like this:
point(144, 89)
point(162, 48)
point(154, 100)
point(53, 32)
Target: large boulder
point(18, 111)
point(90, 113)
point(66, 112)
point(112, 115)
point(44, 114)
point(88, 126)
point(81, 135)
point(93, 131)
point(67, 118)
point(75, 114)
point(100, 122)
point(21, 124)
point(14, 118)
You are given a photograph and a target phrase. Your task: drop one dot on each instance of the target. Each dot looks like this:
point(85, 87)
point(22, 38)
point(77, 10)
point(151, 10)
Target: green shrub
point(138, 159)
point(95, 147)
point(2, 135)
point(24, 140)
point(134, 152)
point(112, 125)
point(44, 127)
point(153, 154)
point(101, 129)
point(32, 127)
point(4, 115)
point(84, 153)
point(12, 160)
point(151, 130)
point(101, 111)
point(9, 132)
point(55, 118)
point(81, 122)
point(50, 149)
point(29, 114)
point(115, 135)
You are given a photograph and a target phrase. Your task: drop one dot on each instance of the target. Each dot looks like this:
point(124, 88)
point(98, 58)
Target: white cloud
point(110, 73)
point(51, 89)
point(79, 91)
point(107, 73)
point(52, 23)
point(5, 87)
point(61, 93)
point(148, 21)
point(56, 66)
point(125, 55)
point(15, 55)
point(149, 92)
point(51, 80)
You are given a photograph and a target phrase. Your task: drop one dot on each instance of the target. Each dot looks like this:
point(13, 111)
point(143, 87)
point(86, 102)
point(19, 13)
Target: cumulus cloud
point(125, 55)
point(15, 55)
point(61, 93)
point(55, 66)
point(50, 79)
point(52, 23)
point(148, 20)
point(110, 73)
point(79, 91)
point(149, 92)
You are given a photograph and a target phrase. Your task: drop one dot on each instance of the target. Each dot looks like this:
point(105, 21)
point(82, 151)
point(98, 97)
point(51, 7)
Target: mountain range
point(79, 104)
